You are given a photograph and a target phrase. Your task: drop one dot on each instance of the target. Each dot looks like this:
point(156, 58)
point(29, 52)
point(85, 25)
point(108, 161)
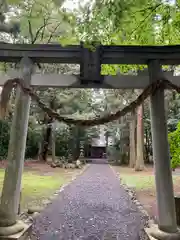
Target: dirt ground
point(144, 185)
point(41, 168)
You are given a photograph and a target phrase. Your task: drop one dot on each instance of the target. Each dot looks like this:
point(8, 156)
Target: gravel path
point(94, 206)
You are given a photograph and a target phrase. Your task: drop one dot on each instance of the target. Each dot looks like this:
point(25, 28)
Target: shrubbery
point(34, 137)
point(174, 143)
point(4, 138)
point(31, 145)
point(62, 143)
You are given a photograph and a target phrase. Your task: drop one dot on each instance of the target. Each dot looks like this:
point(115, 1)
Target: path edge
point(149, 221)
point(24, 216)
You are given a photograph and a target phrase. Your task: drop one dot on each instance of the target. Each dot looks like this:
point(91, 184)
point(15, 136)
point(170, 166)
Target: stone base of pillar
point(19, 231)
point(154, 233)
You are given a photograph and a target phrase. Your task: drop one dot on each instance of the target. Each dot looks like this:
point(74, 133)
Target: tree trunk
point(46, 143)
point(132, 139)
point(39, 151)
point(146, 147)
point(53, 144)
point(77, 148)
point(46, 138)
point(76, 143)
point(107, 140)
point(139, 166)
point(47, 134)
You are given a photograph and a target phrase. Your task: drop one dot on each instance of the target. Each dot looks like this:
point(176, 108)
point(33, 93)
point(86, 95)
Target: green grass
point(140, 182)
point(36, 187)
point(1, 176)
point(33, 184)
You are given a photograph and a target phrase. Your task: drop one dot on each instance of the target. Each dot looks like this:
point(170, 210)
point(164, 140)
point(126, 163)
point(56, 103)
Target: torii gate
point(90, 76)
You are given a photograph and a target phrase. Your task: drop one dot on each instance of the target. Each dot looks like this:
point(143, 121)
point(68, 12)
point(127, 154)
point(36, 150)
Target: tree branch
point(43, 31)
point(142, 21)
point(40, 29)
point(52, 33)
point(30, 31)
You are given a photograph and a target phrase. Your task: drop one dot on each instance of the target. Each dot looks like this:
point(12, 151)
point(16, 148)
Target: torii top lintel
point(52, 53)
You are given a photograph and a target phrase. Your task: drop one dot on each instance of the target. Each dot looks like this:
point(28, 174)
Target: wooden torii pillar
point(167, 226)
point(9, 224)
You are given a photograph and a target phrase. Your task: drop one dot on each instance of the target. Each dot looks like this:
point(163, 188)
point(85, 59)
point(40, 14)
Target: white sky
point(71, 4)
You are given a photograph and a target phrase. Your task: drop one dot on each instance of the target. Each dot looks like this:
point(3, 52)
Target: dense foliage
point(174, 140)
